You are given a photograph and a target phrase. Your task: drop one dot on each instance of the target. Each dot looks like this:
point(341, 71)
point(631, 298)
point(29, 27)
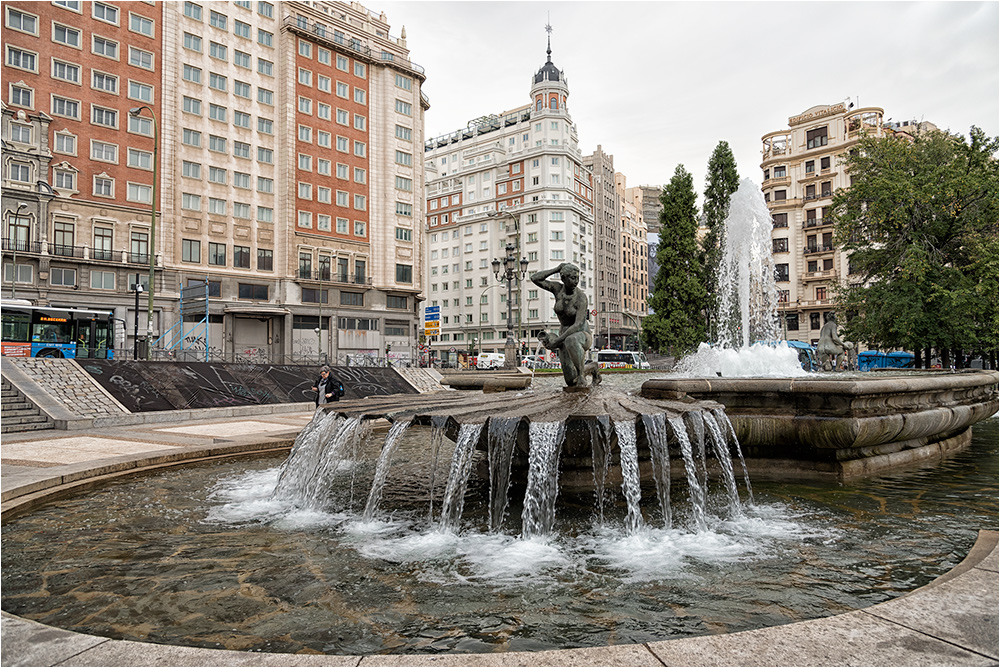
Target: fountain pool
point(204, 556)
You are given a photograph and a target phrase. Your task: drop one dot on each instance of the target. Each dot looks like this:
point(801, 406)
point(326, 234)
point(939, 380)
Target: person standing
point(327, 387)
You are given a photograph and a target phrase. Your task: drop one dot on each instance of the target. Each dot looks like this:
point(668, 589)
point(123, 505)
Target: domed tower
point(549, 88)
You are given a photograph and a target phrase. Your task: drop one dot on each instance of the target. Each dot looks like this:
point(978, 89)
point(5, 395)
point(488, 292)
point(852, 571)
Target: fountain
point(792, 423)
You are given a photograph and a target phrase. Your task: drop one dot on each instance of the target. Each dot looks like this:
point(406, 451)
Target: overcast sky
point(659, 84)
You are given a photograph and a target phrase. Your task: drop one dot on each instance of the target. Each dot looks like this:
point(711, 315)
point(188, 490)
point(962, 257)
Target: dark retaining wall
point(160, 386)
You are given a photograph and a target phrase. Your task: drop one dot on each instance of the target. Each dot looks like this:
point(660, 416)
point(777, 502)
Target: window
point(305, 77)
point(140, 24)
point(65, 143)
point(403, 158)
point(190, 250)
point(323, 55)
point(251, 291)
point(323, 83)
point(404, 273)
point(265, 259)
point(265, 155)
point(323, 139)
point(20, 133)
point(814, 321)
point(360, 149)
point(342, 229)
point(404, 234)
point(65, 71)
point(62, 276)
point(780, 219)
point(265, 38)
point(352, 299)
point(65, 179)
point(305, 105)
point(217, 144)
point(403, 209)
point(305, 219)
point(265, 185)
point(779, 245)
point(106, 82)
point(218, 51)
point(359, 228)
point(18, 20)
point(65, 35)
point(265, 214)
point(404, 107)
point(102, 116)
point(102, 280)
point(192, 74)
point(342, 144)
point(360, 175)
point(241, 89)
point(241, 210)
point(241, 149)
point(140, 91)
point(305, 190)
point(104, 47)
point(781, 272)
point(342, 116)
point(404, 133)
point(21, 59)
point(191, 201)
point(241, 59)
point(816, 138)
point(265, 125)
point(139, 192)
point(192, 11)
point(21, 96)
point(217, 254)
point(140, 159)
point(192, 42)
point(360, 203)
point(103, 151)
point(217, 81)
point(265, 96)
point(241, 119)
point(360, 96)
point(265, 67)
point(217, 175)
point(265, 9)
point(359, 122)
point(322, 165)
point(241, 29)
point(323, 195)
point(217, 20)
point(824, 163)
point(403, 183)
point(62, 106)
point(191, 170)
point(241, 257)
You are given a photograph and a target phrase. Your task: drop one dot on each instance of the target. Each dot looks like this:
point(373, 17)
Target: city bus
point(621, 359)
point(45, 331)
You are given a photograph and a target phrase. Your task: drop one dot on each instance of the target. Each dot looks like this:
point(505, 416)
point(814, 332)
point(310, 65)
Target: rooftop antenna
point(548, 29)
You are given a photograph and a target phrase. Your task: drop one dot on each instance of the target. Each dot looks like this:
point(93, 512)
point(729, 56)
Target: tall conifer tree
point(677, 325)
point(721, 181)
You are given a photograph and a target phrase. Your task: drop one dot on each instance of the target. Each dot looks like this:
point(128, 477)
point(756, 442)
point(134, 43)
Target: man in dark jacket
point(327, 387)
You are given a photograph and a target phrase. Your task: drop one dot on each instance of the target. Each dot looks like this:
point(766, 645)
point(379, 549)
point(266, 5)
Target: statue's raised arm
point(574, 338)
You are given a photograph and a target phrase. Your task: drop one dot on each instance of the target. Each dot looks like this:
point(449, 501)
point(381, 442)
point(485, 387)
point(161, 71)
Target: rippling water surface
point(202, 556)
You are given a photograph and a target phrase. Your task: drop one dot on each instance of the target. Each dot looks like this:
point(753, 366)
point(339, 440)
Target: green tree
point(920, 223)
point(677, 325)
point(721, 181)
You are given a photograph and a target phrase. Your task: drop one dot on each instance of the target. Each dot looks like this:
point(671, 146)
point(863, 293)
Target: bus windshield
point(42, 331)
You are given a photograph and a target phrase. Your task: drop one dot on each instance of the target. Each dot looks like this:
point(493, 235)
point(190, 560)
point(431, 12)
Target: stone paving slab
point(229, 428)
point(75, 449)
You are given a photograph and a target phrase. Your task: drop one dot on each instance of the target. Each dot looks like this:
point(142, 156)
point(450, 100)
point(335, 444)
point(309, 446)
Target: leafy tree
point(677, 325)
point(721, 181)
point(920, 222)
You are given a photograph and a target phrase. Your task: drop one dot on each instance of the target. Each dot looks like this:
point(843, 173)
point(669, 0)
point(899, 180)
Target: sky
point(658, 84)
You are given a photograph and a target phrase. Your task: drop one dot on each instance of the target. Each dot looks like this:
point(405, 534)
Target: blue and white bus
point(45, 331)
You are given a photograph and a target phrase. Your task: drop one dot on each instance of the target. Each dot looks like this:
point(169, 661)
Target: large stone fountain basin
point(841, 425)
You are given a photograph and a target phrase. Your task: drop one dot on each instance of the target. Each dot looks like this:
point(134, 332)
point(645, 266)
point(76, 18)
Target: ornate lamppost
point(135, 112)
point(510, 274)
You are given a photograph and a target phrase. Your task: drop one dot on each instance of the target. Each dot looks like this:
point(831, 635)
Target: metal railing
point(818, 248)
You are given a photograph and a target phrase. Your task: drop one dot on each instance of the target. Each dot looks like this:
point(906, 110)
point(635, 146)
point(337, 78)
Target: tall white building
point(515, 178)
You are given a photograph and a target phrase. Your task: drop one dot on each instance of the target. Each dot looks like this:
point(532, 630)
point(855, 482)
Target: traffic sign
point(432, 309)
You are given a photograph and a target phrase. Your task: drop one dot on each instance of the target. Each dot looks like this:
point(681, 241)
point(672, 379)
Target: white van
point(490, 361)
point(622, 359)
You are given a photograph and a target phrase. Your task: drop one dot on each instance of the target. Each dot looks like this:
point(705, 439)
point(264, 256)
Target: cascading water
point(382, 468)
point(748, 297)
point(538, 516)
point(659, 453)
point(458, 476)
point(501, 439)
point(438, 423)
point(695, 492)
point(601, 461)
point(630, 474)
point(720, 446)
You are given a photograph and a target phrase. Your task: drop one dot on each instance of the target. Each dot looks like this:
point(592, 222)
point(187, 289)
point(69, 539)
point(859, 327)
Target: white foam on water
point(759, 360)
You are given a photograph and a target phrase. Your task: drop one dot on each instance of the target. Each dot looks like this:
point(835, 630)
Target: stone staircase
point(18, 414)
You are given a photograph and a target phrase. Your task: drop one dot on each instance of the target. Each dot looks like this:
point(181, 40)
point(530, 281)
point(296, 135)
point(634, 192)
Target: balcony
point(100, 254)
point(137, 258)
point(333, 37)
point(818, 248)
point(19, 246)
point(67, 251)
point(816, 222)
point(332, 277)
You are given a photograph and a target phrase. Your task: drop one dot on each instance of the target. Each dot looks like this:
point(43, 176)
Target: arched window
point(538, 104)
point(553, 103)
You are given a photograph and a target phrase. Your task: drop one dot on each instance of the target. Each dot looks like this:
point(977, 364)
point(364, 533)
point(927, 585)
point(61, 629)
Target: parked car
point(532, 361)
point(490, 360)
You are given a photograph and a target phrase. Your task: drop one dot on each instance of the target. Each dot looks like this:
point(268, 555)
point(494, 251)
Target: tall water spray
point(748, 297)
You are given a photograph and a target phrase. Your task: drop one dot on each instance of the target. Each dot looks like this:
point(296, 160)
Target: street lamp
point(517, 246)
point(13, 245)
point(135, 112)
point(138, 291)
point(510, 274)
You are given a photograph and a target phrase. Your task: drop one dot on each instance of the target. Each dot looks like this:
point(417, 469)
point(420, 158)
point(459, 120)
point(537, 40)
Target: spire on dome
point(549, 71)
